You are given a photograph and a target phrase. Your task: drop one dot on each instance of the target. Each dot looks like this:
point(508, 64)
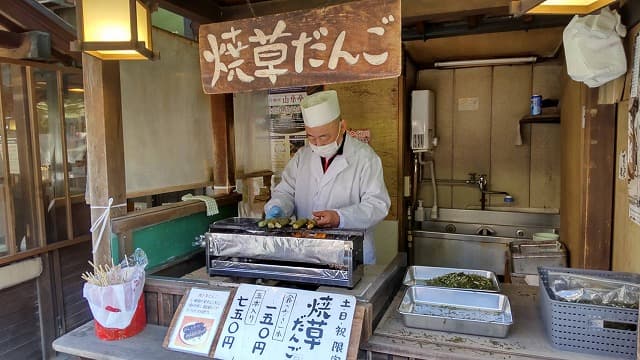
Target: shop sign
point(280, 323)
point(349, 42)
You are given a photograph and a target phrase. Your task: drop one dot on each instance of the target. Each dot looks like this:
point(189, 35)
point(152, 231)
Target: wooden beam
point(223, 143)
point(273, 7)
point(105, 146)
point(599, 168)
point(436, 10)
point(31, 15)
point(200, 11)
point(28, 45)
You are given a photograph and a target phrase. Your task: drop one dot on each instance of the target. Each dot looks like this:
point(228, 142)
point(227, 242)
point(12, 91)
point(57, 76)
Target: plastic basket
point(588, 328)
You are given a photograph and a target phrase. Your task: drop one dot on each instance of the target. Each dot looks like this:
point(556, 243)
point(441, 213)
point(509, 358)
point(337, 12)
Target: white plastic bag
point(113, 306)
point(593, 48)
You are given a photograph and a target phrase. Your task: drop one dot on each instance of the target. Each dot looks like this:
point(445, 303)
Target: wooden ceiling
point(474, 33)
point(473, 28)
point(542, 43)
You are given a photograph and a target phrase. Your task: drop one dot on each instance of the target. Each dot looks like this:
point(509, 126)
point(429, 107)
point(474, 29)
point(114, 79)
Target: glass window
point(47, 115)
point(76, 138)
point(19, 190)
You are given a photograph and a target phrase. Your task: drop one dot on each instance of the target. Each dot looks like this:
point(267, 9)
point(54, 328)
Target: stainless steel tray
point(419, 275)
point(459, 311)
point(528, 255)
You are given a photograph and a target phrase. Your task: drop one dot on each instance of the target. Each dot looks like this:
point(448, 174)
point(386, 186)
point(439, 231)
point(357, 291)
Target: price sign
point(280, 323)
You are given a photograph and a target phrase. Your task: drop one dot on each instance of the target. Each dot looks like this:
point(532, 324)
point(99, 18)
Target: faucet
point(482, 182)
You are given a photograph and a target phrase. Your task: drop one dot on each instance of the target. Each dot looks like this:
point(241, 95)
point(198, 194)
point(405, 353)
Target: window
point(42, 159)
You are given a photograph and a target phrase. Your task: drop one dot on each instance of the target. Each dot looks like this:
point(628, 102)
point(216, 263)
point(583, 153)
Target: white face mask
point(328, 150)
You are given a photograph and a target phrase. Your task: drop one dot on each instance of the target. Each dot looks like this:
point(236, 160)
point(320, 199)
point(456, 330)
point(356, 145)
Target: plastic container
point(419, 215)
point(508, 201)
point(138, 323)
point(587, 328)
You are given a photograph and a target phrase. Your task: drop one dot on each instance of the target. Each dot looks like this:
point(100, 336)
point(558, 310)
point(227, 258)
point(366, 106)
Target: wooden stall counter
point(375, 290)
point(526, 339)
point(162, 295)
point(83, 343)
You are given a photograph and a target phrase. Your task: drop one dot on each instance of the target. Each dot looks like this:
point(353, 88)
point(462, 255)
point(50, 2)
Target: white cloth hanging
point(593, 48)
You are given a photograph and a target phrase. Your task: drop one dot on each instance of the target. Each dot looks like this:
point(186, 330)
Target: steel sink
point(475, 239)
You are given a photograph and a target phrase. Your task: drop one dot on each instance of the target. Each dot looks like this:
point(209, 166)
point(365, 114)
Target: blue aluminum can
point(536, 104)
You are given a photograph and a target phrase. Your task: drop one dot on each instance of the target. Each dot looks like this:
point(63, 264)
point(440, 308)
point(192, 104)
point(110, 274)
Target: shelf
point(541, 119)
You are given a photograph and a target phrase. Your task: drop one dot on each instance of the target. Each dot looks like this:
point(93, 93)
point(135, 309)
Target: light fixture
point(484, 62)
point(114, 29)
point(558, 7)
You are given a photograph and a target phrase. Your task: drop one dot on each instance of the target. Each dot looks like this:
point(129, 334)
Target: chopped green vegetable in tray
point(462, 281)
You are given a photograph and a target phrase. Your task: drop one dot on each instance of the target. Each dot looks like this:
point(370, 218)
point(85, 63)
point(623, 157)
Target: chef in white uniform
point(335, 179)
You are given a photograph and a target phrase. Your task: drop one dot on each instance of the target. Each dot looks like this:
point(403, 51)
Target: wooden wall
point(626, 233)
point(374, 105)
point(20, 320)
point(572, 223)
point(481, 138)
point(166, 119)
point(73, 262)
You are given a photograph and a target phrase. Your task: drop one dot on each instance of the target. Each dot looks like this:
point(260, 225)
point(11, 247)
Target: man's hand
point(327, 218)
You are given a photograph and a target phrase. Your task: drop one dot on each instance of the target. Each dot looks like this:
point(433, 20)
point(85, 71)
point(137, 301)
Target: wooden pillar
point(105, 146)
point(223, 143)
point(599, 170)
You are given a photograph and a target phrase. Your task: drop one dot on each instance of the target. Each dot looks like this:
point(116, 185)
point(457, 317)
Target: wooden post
point(599, 167)
point(105, 147)
point(223, 143)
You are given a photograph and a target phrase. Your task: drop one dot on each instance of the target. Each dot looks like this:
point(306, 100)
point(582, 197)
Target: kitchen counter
point(377, 286)
point(526, 338)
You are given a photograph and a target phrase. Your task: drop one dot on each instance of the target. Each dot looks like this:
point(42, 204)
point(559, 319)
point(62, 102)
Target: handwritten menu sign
point(340, 43)
point(196, 323)
point(280, 323)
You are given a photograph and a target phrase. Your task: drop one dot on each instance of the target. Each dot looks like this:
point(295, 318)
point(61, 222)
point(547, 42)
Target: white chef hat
point(320, 108)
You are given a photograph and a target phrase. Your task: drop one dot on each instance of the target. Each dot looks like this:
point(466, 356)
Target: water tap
point(482, 182)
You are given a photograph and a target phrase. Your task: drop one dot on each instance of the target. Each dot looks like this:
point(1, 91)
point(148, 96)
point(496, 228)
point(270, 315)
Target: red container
point(138, 322)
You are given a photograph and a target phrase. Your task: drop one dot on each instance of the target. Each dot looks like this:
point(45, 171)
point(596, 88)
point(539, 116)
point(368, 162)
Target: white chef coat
point(353, 186)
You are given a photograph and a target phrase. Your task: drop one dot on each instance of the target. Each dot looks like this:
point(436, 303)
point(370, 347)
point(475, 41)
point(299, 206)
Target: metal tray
point(418, 275)
point(528, 255)
point(459, 311)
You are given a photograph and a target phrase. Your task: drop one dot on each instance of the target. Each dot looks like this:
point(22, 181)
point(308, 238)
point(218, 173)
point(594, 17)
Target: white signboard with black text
point(279, 323)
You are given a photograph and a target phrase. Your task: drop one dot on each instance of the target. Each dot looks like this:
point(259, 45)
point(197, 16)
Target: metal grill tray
point(459, 311)
point(239, 225)
point(418, 275)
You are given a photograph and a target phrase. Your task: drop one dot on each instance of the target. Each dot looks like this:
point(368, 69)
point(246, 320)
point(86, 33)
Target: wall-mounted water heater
point(423, 116)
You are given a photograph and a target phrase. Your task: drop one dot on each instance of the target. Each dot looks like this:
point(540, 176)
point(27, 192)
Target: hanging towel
point(212, 206)
point(518, 136)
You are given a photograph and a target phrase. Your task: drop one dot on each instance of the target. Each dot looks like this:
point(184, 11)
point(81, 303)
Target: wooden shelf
point(541, 119)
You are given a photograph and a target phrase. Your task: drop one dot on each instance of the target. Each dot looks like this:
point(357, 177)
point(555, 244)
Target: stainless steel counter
point(526, 338)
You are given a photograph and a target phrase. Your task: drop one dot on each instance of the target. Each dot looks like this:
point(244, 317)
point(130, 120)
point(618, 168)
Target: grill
point(238, 247)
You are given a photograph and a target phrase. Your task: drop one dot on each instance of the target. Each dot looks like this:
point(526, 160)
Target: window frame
point(33, 152)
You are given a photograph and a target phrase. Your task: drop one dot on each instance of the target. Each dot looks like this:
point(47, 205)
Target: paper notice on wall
point(622, 165)
point(283, 147)
point(468, 104)
point(633, 145)
point(285, 115)
point(634, 214)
